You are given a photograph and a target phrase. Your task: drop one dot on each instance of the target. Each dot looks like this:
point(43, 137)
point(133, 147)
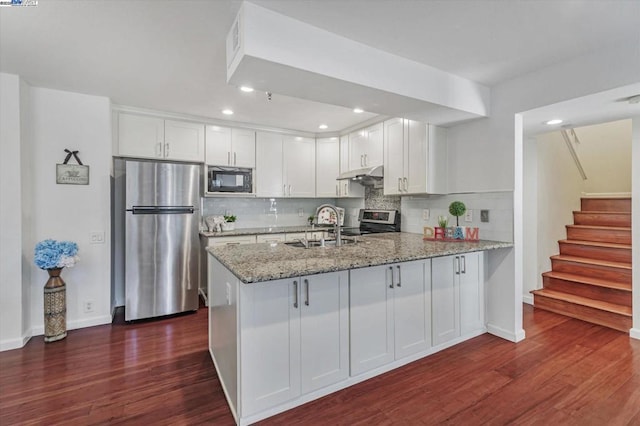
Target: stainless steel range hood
point(366, 176)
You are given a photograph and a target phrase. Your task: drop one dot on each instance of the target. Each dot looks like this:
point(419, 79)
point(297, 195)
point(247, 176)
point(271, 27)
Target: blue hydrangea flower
point(51, 254)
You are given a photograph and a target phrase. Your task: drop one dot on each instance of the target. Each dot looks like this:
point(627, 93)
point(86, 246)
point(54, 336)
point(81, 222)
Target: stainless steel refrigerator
point(161, 242)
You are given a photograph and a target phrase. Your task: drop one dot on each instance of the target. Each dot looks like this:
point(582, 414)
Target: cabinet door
point(416, 158)
point(324, 302)
point(243, 144)
point(183, 141)
point(374, 146)
point(371, 301)
point(327, 166)
point(357, 147)
point(393, 156)
point(269, 164)
point(344, 153)
point(270, 344)
point(445, 298)
point(299, 166)
point(140, 136)
point(412, 307)
point(471, 292)
point(218, 146)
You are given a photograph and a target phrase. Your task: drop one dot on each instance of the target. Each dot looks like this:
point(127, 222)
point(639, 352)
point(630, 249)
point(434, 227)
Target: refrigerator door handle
point(161, 210)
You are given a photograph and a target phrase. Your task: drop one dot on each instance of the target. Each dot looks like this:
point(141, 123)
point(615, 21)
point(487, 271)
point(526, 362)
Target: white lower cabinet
point(294, 338)
point(390, 313)
point(457, 287)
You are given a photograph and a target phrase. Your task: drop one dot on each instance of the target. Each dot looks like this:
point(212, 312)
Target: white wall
point(483, 155)
point(605, 154)
point(14, 332)
point(62, 120)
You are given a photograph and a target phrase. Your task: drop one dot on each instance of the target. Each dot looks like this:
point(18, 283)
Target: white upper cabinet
point(299, 166)
point(152, 137)
point(327, 167)
point(366, 147)
point(415, 157)
point(230, 147)
point(344, 153)
point(269, 164)
point(285, 166)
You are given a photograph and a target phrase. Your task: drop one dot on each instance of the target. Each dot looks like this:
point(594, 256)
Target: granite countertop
point(265, 230)
point(264, 262)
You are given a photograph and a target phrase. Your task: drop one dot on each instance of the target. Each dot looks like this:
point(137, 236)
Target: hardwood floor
point(159, 372)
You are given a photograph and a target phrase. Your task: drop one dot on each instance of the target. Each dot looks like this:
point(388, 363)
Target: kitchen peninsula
point(288, 324)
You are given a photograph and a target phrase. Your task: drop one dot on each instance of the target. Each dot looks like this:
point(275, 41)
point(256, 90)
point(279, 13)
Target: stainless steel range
point(374, 221)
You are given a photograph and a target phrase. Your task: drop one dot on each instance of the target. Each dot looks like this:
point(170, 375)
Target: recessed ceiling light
point(227, 111)
point(554, 121)
point(323, 126)
point(246, 89)
point(358, 110)
point(334, 138)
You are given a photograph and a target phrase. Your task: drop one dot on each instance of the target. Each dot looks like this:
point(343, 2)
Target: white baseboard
point(74, 325)
point(506, 334)
point(634, 333)
point(7, 345)
point(606, 194)
point(527, 298)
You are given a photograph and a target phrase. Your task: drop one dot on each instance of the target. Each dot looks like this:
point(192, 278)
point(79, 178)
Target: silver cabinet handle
point(159, 149)
point(233, 244)
point(306, 284)
point(399, 277)
point(295, 294)
point(337, 189)
point(284, 190)
point(457, 265)
point(464, 265)
point(399, 184)
point(229, 157)
point(346, 189)
point(392, 283)
point(166, 150)
point(406, 184)
point(365, 160)
point(289, 190)
point(361, 160)
point(234, 159)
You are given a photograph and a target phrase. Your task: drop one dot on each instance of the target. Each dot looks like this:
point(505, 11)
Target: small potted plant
point(443, 221)
point(457, 209)
point(310, 219)
point(229, 223)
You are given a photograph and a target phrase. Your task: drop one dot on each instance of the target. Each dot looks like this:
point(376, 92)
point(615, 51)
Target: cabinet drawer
point(270, 238)
point(231, 241)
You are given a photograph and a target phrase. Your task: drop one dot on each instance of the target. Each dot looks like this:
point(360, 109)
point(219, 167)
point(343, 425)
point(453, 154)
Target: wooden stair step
point(596, 250)
point(606, 234)
point(607, 314)
point(611, 271)
point(620, 219)
point(592, 288)
point(610, 204)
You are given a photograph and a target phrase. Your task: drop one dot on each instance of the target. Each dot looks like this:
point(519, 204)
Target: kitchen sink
point(318, 243)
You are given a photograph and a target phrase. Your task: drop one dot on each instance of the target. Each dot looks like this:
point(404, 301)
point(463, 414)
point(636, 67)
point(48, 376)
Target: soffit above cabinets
point(276, 53)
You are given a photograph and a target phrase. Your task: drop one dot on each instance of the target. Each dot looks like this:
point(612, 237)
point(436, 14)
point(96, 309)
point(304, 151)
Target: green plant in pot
point(229, 223)
point(443, 221)
point(457, 209)
point(310, 219)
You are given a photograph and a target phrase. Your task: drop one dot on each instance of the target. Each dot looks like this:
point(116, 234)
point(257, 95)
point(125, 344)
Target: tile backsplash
point(499, 204)
point(264, 212)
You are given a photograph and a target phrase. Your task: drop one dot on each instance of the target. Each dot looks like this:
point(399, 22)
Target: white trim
point(7, 345)
point(506, 334)
point(74, 325)
point(606, 194)
point(634, 333)
point(224, 388)
point(528, 299)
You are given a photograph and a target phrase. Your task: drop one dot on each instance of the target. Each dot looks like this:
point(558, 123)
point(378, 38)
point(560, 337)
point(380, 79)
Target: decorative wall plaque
point(72, 174)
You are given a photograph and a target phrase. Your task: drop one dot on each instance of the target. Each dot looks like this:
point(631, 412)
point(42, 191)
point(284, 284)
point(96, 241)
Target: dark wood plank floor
point(159, 372)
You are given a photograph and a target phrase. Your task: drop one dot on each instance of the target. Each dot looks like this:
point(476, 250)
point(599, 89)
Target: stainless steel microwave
point(229, 180)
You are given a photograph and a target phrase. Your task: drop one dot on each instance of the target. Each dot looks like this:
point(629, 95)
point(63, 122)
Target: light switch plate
point(468, 216)
point(425, 214)
point(300, 212)
point(96, 237)
point(484, 215)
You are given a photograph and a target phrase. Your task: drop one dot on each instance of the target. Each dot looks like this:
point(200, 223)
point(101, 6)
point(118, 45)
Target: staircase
point(591, 277)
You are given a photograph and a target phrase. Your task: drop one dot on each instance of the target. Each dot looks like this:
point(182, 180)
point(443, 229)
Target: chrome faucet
point(337, 229)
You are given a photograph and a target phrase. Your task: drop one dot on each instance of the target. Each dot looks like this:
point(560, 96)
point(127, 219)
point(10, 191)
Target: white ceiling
point(169, 55)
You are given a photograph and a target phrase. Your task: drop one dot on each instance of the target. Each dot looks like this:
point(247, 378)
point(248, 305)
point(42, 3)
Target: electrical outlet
point(89, 306)
point(96, 237)
point(300, 212)
point(484, 215)
point(425, 214)
point(468, 216)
